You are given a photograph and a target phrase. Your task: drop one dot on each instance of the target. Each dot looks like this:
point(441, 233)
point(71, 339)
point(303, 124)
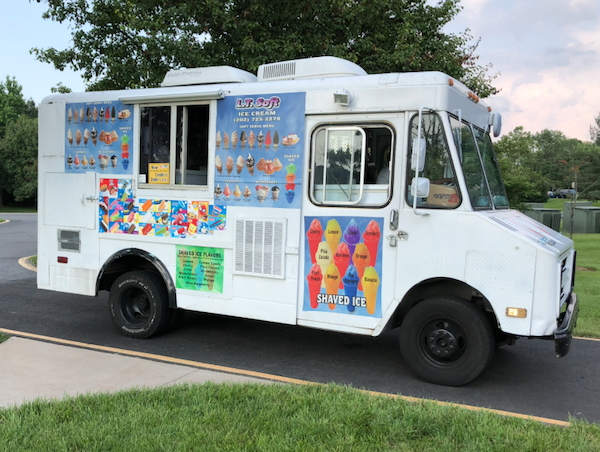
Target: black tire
point(446, 341)
point(139, 304)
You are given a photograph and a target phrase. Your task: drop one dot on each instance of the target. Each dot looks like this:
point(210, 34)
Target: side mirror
point(497, 124)
point(418, 149)
point(419, 187)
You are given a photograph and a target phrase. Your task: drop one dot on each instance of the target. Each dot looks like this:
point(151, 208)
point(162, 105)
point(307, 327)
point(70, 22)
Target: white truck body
point(517, 271)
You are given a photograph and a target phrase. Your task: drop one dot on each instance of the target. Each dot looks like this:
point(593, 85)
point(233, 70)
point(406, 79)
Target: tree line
point(119, 44)
point(535, 164)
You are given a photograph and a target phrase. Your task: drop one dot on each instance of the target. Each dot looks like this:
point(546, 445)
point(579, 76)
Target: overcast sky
point(547, 52)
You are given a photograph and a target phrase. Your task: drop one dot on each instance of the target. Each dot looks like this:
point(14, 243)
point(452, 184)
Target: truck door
point(347, 263)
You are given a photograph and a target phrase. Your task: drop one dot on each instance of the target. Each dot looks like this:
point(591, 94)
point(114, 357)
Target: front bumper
point(564, 332)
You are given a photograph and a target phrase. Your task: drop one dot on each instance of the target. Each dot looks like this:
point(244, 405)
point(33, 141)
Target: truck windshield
point(480, 167)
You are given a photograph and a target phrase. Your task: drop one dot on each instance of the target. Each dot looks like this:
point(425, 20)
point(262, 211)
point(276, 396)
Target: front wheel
point(446, 341)
point(139, 304)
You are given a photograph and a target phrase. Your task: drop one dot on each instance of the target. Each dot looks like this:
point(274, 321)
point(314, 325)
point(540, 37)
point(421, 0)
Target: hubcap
point(443, 341)
point(135, 306)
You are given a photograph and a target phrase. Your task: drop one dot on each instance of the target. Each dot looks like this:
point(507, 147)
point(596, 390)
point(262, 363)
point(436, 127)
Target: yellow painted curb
point(5, 221)
point(250, 373)
point(25, 262)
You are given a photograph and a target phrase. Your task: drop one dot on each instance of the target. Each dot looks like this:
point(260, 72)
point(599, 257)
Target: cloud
point(548, 54)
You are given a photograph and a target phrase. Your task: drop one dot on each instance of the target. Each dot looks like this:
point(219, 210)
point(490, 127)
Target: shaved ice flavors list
point(259, 148)
point(200, 268)
point(98, 137)
point(343, 265)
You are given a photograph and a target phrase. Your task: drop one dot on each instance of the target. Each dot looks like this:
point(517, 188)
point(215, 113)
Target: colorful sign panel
point(200, 268)
point(97, 137)
point(158, 173)
point(121, 213)
point(259, 149)
point(342, 265)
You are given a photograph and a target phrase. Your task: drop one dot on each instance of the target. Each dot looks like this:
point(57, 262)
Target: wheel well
point(441, 287)
point(134, 259)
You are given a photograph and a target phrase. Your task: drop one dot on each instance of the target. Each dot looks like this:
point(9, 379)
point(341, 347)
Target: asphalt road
point(525, 378)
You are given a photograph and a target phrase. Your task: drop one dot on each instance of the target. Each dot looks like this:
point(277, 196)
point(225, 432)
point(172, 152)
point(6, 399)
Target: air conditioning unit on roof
point(319, 67)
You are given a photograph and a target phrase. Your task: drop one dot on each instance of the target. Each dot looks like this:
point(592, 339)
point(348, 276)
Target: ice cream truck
point(310, 194)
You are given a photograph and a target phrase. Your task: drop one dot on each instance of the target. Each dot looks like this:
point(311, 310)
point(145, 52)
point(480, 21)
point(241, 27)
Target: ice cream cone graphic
point(370, 283)
point(351, 235)
point(234, 139)
point(324, 258)
point(341, 258)
point(275, 140)
point(333, 232)
point(314, 279)
point(218, 140)
point(350, 281)
point(260, 138)
point(332, 282)
point(268, 139)
point(314, 235)
point(361, 259)
point(243, 139)
point(226, 140)
point(251, 140)
point(219, 164)
point(371, 238)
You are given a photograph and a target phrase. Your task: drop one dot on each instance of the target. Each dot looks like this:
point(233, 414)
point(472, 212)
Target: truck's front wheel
point(138, 303)
point(446, 340)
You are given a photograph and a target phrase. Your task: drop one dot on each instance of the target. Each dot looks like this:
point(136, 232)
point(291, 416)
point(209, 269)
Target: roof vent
point(207, 76)
point(320, 67)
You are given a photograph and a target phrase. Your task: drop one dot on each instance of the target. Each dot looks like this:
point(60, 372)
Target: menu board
point(98, 136)
point(259, 150)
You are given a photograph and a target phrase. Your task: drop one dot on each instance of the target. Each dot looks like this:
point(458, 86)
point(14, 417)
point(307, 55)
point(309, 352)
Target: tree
point(516, 159)
point(13, 104)
point(123, 44)
point(595, 130)
point(13, 107)
point(18, 154)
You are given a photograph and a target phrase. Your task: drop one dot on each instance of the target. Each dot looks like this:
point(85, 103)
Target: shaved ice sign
point(342, 265)
point(98, 136)
point(200, 268)
point(259, 147)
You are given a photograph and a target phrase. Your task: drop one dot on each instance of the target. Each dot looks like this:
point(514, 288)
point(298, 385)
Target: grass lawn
point(3, 337)
point(274, 418)
point(33, 260)
point(587, 284)
point(6, 209)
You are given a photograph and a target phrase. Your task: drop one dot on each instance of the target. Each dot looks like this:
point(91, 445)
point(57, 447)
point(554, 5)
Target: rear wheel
point(446, 341)
point(139, 304)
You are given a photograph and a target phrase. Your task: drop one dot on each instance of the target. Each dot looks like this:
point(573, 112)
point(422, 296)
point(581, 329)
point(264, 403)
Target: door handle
point(393, 219)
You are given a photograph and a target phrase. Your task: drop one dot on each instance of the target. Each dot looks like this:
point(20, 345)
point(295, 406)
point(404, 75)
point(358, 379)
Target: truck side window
point(350, 165)
point(184, 161)
point(443, 192)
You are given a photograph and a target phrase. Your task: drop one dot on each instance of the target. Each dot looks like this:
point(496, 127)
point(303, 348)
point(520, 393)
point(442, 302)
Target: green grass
point(559, 204)
point(587, 284)
point(6, 209)
point(33, 261)
point(273, 418)
point(3, 337)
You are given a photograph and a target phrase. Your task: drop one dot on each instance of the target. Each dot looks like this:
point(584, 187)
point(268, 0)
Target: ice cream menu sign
point(98, 137)
point(259, 143)
point(342, 266)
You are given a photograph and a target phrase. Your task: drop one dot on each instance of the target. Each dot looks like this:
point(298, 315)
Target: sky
point(546, 52)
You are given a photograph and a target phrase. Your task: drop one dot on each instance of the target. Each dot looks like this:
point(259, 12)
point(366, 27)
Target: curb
point(5, 221)
point(25, 262)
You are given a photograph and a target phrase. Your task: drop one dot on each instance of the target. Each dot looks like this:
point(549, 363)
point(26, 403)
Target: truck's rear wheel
point(446, 341)
point(139, 304)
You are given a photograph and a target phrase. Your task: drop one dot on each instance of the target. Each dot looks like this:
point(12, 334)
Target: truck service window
point(179, 161)
point(444, 192)
point(350, 165)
